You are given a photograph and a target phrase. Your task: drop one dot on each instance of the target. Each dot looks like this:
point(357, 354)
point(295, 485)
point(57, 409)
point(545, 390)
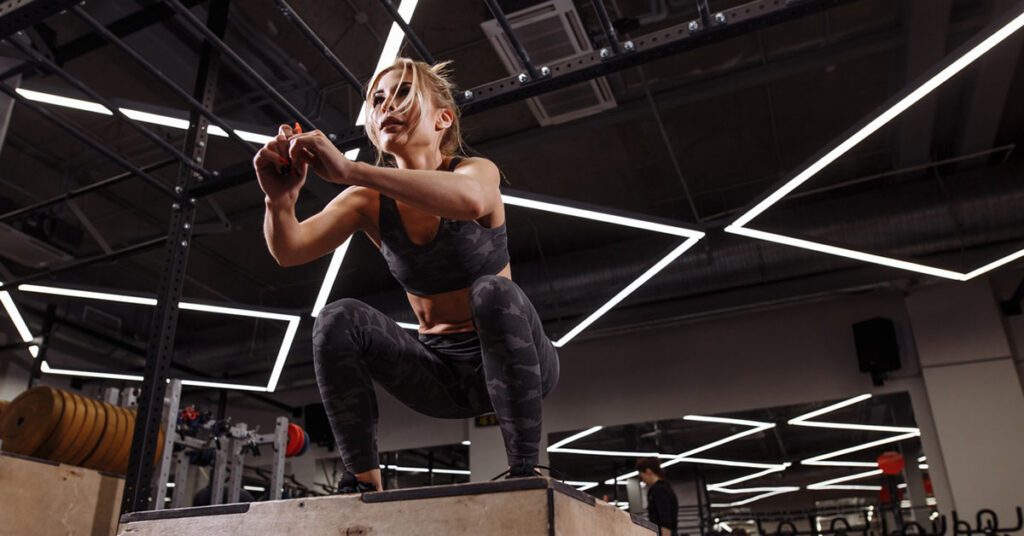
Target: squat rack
point(195, 181)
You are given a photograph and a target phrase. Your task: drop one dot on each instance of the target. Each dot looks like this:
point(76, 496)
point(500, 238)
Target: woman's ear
point(445, 118)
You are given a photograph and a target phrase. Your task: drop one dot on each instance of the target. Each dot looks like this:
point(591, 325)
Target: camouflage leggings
point(507, 366)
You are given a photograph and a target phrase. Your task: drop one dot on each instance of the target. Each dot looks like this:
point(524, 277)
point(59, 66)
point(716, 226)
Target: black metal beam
point(217, 43)
point(170, 84)
point(160, 352)
point(524, 57)
point(704, 12)
point(21, 344)
point(114, 109)
point(75, 132)
point(69, 195)
point(315, 40)
point(19, 15)
point(643, 49)
point(606, 24)
point(421, 49)
point(89, 42)
point(81, 263)
point(123, 27)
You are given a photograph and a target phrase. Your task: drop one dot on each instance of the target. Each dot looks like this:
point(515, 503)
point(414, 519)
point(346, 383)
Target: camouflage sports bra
point(461, 251)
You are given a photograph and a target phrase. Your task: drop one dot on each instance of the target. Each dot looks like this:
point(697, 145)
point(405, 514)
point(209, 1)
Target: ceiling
point(738, 115)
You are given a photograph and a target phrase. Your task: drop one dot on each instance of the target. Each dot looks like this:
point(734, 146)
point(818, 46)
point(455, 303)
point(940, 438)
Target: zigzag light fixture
point(953, 64)
point(828, 459)
point(282, 354)
point(576, 210)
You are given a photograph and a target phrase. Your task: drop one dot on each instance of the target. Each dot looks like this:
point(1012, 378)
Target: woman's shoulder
point(479, 167)
point(475, 161)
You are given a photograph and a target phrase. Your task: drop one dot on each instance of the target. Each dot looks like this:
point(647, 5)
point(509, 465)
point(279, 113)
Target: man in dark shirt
point(662, 504)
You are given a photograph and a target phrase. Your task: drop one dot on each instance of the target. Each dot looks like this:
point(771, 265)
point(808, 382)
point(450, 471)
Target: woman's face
point(395, 131)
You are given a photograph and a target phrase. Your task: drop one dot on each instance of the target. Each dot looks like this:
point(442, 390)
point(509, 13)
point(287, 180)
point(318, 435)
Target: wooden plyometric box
point(40, 497)
point(518, 507)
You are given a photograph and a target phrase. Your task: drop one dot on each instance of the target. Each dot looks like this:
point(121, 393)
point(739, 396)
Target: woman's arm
point(469, 193)
point(293, 243)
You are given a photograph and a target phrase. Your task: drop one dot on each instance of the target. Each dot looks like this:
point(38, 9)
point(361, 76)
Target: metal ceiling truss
point(16, 16)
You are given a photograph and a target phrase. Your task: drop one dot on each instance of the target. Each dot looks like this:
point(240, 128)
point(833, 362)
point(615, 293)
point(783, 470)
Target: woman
point(662, 503)
point(439, 221)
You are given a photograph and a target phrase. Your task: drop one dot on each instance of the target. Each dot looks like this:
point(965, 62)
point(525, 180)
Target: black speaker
point(317, 425)
point(878, 348)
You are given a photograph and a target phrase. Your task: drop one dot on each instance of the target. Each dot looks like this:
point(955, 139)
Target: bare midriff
point(447, 312)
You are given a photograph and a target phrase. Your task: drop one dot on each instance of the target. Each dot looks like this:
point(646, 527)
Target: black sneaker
point(348, 484)
point(526, 470)
point(523, 469)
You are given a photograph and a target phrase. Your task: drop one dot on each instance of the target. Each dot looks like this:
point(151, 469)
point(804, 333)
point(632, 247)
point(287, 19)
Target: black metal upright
point(322, 47)
point(421, 49)
point(606, 24)
point(137, 492)
point(517, 46)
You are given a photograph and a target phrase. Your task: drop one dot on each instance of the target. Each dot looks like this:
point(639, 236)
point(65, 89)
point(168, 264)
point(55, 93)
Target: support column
point(14, 371)
point(138, 495)
point(974, 393)
point(915, 487)
point(635, 496)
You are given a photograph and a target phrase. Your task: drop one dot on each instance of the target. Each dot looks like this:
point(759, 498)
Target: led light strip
point(140, 116)
point(574, 437)
point(834, 484)
point(692, 237)
point(739, 226)
point(425, 470)
point(19, 322)
point(771, 492)
point(282, 354)
point(581, 486)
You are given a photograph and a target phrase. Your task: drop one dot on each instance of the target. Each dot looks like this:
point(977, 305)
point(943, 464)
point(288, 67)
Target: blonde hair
point(433, 82)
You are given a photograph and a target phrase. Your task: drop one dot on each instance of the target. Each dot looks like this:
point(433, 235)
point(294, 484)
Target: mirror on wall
point(730, 470)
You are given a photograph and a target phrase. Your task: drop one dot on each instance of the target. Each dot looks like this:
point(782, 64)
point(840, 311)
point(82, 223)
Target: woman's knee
point(491, 293)
point(338, 319)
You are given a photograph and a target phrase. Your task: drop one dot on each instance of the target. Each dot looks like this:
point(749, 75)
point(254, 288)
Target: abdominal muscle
point(447, 312)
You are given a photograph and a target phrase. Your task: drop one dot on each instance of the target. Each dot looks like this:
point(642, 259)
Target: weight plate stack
point(31, 419)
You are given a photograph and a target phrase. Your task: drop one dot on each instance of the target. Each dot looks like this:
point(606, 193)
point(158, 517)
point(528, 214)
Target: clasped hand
point(282, 163)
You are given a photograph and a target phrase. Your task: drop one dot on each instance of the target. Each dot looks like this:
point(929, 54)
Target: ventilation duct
point(551, 31)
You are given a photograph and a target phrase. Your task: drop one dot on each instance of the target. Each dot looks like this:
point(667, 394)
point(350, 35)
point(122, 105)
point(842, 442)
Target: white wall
point(975, 393)
point(785, 356)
